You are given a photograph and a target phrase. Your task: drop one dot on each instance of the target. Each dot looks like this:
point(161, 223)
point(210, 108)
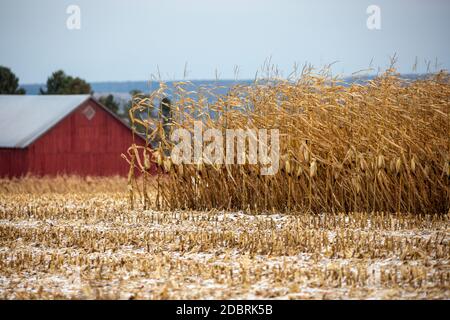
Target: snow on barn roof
point(24, 118)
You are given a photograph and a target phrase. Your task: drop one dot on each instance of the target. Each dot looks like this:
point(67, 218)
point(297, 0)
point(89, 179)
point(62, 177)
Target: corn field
point(381, 146)
point(359, 208)
point(66, 241)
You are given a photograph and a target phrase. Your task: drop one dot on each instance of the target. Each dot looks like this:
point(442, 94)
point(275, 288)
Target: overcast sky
point(129, 39)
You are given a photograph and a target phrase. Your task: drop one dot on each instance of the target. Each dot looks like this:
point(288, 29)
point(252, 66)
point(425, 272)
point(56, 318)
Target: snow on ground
point(93, 246)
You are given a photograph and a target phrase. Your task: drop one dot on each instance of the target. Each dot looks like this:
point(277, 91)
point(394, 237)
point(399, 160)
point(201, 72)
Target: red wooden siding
point(76, 145)
point(13, 162)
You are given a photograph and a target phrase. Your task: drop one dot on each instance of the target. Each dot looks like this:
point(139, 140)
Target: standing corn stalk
point(381, 146)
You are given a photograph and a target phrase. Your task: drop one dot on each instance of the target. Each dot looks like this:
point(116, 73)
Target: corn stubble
point(382, 146)
point(84, 245)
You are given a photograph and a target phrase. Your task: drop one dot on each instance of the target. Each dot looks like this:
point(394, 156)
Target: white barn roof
point(24, 118)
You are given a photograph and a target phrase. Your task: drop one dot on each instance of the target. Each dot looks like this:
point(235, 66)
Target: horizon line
point(227, 79)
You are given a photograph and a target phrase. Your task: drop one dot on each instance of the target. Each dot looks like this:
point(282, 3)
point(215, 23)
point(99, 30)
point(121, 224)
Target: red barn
point(61, 134)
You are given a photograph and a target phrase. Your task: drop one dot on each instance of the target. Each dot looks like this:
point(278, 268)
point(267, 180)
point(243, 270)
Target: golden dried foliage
point(381, 146)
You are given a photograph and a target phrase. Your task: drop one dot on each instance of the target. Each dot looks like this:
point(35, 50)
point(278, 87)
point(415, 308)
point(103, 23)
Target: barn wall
point(13, 162)
point(82, 146)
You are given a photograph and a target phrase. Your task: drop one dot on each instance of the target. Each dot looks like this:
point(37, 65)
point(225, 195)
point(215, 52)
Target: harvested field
point(80, 243)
